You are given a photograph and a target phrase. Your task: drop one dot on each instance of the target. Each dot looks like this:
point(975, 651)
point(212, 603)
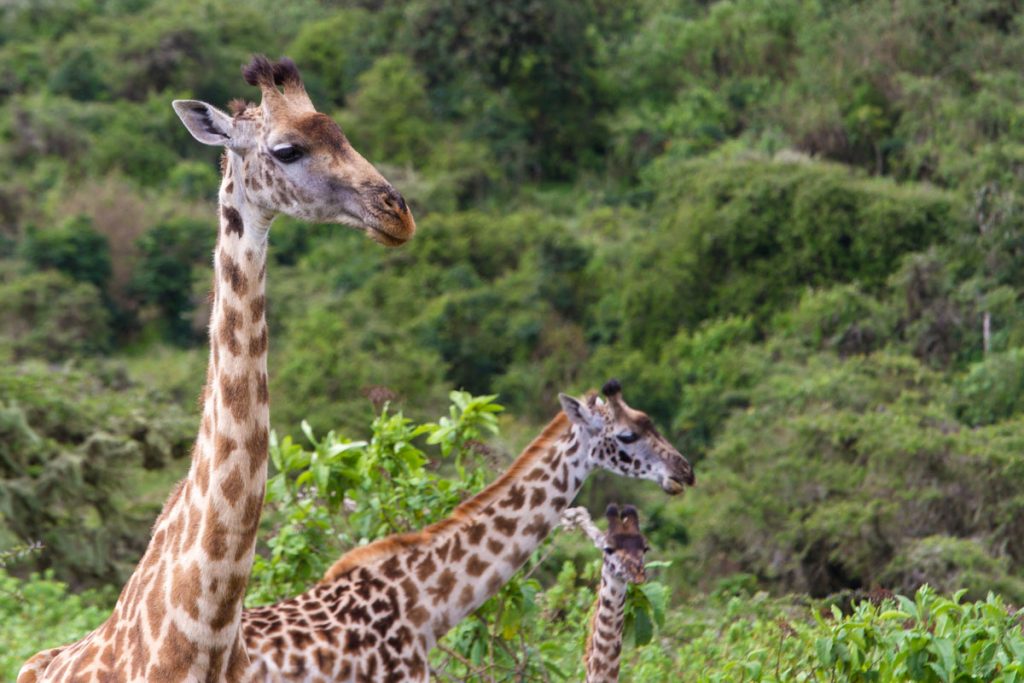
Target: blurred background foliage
point(793, 229)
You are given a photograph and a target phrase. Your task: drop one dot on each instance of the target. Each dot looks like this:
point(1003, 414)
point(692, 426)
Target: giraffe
point(380, 608)
point(624, 548)
point(178, 617)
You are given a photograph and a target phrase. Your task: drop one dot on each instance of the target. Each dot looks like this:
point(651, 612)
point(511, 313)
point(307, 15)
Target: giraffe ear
point(207, 124)
point(579, 413)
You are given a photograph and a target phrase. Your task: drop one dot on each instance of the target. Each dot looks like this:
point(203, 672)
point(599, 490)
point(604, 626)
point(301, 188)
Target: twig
point(471, 669)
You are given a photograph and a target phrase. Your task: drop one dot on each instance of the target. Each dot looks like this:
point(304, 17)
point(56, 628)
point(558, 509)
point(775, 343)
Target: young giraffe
point(624, 549)
point(381, 608)
point(178, 617)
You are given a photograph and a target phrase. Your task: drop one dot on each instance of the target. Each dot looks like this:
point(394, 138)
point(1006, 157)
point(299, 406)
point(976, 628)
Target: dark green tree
point(168, 254)
point(74, 247)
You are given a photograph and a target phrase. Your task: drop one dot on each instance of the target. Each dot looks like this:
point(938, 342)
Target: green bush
point(926, 639)
point(835, 467)
point(194, 179)
point(389, 115)
point(41, 612)
point(75, 247)
point(48, 315)
point(353, 353)
point(953, 564)
point(842, 320)
point(991, 390)
point(168, 253)
point(746, 237)
point(73, 451)
point(335, 50)
point(539, 61)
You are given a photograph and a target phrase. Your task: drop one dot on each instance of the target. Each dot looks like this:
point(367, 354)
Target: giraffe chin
point(672, 487)
point(381, 237)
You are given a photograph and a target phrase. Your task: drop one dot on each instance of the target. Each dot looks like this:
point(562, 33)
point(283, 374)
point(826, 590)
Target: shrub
point(929, 638)
point(353, 352)
point(842, 320)
point(75, 247)
point(72, 450)
point(991, 390)
point(40, 612)
point(194, 179)
point(335, 50)
point(49, 315)
point(746, 237)
point(836, 467)
point(168, 253)
point(389, 115)
point(953, 564)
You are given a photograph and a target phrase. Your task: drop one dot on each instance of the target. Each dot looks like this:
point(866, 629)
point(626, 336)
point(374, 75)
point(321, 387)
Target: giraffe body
point(624, 549)
point(381, 608)
point(178, 617)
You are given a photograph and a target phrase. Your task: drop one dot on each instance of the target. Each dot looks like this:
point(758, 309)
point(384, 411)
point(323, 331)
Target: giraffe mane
point(392, 545)
point(239, 105)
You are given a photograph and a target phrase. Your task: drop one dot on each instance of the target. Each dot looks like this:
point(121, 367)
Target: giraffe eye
point(287, 154)
point(609, 551)
point(628, 437)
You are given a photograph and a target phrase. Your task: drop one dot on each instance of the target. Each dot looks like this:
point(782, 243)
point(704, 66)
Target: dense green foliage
point(41, 605)
point(926, 638)
point(793, 229)
point(75, 449)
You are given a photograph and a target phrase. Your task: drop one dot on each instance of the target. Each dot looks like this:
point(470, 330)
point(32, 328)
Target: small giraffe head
point(295, 160)
point(625, 441)
point(624, 545)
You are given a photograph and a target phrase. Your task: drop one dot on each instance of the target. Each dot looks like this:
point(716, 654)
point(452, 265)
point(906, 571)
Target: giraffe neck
point(178, 616)
point(604, 642)
point(454, 566)
point(229, 467)
point(209, 525)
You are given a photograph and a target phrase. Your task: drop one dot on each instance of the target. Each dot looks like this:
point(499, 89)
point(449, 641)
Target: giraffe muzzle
point(387, 217)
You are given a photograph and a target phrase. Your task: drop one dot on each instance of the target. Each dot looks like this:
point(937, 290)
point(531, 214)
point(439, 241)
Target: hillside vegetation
point(793, 230)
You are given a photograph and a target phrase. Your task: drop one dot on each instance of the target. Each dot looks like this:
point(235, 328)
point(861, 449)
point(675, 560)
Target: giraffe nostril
point(394, 200)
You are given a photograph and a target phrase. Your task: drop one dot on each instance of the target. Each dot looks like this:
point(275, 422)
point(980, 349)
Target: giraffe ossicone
point(382, 607)
point(178, 617)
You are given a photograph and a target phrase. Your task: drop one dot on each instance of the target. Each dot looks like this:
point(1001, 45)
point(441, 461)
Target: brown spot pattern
point(232, 274)
point(232, 221)
point(235, 393)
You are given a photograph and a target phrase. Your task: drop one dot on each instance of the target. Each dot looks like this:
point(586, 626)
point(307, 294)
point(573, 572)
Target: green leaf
point(824, 649)
point(643, 629)
point(308, 431)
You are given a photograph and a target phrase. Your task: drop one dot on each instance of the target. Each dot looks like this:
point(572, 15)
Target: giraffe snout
point(392, 223)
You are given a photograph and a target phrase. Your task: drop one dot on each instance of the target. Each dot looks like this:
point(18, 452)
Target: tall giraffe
point(178, 617)
point(624, 548)
point(381, 608)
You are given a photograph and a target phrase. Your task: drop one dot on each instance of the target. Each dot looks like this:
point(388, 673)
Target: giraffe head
point(295, 160)
point(624, 545)
point(625, 441)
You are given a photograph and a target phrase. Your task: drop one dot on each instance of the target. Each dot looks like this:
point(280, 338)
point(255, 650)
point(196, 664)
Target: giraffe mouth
point(386, 238)
point(375, 232)
point(672, 486)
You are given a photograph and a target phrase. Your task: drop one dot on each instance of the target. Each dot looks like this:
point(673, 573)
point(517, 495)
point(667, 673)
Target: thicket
point(75, 448)
point(792, 229)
